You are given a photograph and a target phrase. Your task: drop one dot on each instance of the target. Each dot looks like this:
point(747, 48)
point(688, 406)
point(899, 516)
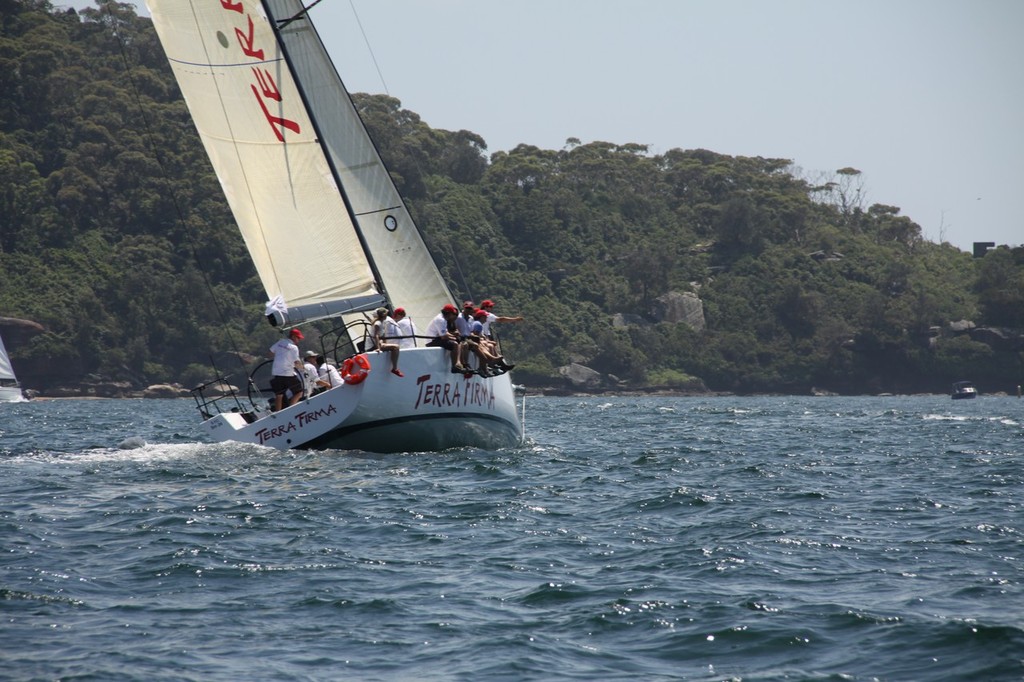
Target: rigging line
point(368, 47)
point(192, 241)
point(462, 275)
point(416, 161)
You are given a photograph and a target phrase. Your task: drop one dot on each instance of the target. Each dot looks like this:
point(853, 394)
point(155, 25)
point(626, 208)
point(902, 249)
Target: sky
point(924, 97)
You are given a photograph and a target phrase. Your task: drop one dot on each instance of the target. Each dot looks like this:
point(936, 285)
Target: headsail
point(282, 133)
point(406, 269)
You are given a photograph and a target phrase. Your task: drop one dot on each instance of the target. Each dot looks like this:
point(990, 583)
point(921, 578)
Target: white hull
point(11, 394)
point(429, 409)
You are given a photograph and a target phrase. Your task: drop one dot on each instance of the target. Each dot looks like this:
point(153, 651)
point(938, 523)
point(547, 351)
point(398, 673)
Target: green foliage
point(1000, 287)
point(115, 236)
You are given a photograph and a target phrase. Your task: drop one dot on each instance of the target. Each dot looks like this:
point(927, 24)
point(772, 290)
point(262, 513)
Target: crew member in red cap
point(442, 332)
point(286, 369)
point(463, 321)
point(488, 307)
point(495, 360)
point(404, 331)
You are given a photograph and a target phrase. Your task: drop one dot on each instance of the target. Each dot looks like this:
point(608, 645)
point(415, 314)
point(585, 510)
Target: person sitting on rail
point(402, 331)
point(488, 307)
point(488, 349)
point(328, 372)
point(378, 337)
point(442, 333)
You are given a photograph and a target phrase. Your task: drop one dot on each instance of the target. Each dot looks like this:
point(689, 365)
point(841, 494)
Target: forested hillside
point(686, 269)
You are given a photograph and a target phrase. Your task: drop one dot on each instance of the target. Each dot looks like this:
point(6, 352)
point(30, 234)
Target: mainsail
point(321, 218)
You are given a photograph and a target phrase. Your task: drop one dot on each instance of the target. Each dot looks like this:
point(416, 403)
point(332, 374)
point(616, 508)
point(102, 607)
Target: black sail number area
point(390, 223)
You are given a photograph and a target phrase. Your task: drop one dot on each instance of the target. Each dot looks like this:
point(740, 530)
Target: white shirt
point(311, 375)
point(437, 327)
point(286, 354)
point(391, 329)
point(462, 323)
point(407, 330)
point(380, 331)
point(329, 373)
point(491, 317)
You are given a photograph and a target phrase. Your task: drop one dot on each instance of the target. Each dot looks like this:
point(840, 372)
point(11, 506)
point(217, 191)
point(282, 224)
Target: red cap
point(449, 308)
point(296, 334)
point(399, 311)
point(487, 304)
point(481, 313)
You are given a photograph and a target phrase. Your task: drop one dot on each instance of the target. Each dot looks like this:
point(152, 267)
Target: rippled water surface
point(631, 538)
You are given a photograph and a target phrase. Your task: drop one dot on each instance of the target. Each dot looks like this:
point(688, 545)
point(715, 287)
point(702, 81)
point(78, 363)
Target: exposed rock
point(61, 392)
point(580, 376)
point(961, 326)
point(625, 319)
point(215, 390)
point(18, 331)
point(680, 306)
point(999, 339)
point(108, 389)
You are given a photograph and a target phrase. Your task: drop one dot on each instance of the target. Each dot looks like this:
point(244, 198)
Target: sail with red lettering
point(321, 218)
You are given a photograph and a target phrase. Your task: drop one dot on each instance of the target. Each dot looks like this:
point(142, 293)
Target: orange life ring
point(355, 369)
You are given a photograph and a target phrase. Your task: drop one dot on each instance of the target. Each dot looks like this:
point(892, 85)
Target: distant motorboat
point(963, 390)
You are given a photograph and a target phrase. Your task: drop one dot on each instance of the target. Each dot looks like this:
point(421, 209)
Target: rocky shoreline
point(115, 390)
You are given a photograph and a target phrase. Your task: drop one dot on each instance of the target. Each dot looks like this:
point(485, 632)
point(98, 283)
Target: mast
point(277, 25)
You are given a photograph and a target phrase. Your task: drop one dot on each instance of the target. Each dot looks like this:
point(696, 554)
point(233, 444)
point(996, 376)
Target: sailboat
point(10, 389)
point(328, 233)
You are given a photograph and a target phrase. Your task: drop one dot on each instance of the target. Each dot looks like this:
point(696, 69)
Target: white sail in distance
point(6, 370)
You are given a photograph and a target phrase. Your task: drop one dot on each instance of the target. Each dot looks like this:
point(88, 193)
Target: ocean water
point(690, 538)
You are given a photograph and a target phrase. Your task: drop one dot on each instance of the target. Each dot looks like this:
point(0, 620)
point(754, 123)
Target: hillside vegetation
point(114, 236)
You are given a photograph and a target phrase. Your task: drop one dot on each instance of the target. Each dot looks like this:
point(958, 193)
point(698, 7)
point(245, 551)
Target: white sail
point(10, 390)
point(407, 271)
point(266, 152)
point(6, 371)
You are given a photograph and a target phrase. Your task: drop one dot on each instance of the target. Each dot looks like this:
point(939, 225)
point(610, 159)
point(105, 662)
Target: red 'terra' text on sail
point(265, 88)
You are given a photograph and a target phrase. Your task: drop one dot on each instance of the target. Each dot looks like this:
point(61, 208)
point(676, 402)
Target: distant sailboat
point(327, 231)
point(10, 389)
